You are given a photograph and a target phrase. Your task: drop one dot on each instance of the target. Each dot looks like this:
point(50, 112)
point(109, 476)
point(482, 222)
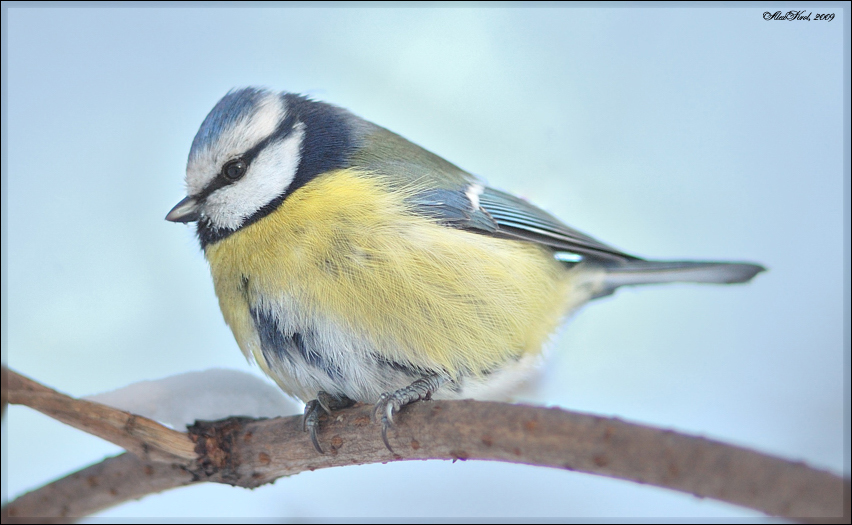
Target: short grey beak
point(184, 211)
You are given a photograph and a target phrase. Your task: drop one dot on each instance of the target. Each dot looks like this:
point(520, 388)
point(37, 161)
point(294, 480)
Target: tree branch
point(142, 436)
point(249, 453)
point(92, 489)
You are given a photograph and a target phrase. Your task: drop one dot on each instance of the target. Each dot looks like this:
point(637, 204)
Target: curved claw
point(310, 422)
point(310, 406)
point(391, 402)
point(392, 407)
point(314, 408)
point(385, 407)
point(378, 406)
point(385, 435)
point(315, 440)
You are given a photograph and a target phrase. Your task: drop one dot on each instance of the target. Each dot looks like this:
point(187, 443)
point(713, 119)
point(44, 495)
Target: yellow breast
point(346, 248)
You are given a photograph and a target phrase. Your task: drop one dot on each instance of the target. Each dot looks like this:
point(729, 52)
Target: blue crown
point(236, 105)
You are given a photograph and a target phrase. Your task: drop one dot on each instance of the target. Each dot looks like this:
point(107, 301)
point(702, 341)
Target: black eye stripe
point(218, 182)
point(284, 129)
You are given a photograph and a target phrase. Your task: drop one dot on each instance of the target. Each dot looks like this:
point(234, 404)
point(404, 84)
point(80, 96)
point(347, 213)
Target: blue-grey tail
point(636, 272)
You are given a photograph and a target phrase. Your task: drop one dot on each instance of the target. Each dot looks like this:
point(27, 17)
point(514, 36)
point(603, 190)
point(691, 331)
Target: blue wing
point(488, 211)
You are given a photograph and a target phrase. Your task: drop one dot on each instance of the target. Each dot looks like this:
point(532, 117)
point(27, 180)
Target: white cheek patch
point(269, 175)
point(204, 165)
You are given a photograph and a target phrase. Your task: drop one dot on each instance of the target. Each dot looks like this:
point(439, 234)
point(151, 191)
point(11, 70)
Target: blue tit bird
point(355, 266)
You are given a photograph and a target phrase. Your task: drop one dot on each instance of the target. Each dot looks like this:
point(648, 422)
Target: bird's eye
point(235, 169)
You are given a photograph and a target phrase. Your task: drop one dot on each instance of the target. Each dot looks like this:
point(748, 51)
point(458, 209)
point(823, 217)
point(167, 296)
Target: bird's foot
point(391, 402)
point(324, 402)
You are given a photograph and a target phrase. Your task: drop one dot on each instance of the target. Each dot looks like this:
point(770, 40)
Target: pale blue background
point(669, 133)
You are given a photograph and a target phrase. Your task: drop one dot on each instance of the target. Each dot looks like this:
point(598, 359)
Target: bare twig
point(112, 481)
point(249, 453)
point(140, 435)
